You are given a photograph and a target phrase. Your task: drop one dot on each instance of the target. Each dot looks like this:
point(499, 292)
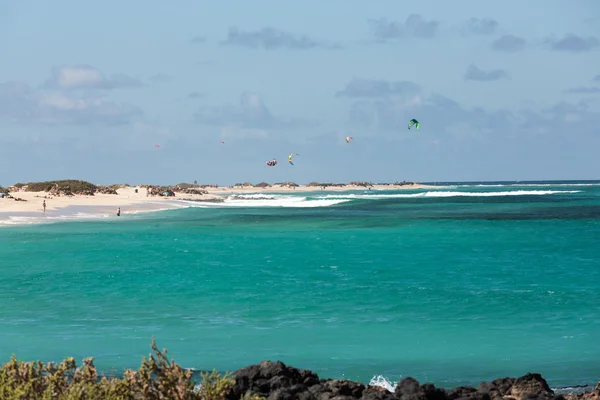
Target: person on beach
point(44, 206)
point(119, 212)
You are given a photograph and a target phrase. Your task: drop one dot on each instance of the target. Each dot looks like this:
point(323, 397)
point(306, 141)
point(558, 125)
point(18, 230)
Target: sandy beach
point(127, 199)
point(131, 200)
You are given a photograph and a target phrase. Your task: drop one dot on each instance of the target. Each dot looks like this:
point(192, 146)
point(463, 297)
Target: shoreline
point(137, 200)
point(92, 202)
point(377, 380)
point(275, 379)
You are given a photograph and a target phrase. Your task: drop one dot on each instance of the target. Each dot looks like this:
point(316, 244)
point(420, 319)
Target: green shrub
point(69, 185)
point(156, 379)
point(184, 185)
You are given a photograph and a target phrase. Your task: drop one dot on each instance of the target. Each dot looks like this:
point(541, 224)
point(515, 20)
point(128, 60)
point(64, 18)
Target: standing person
point(119, 212)
point(44, 206)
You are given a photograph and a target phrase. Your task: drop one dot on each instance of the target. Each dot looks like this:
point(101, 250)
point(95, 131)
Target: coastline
point(269, 380)
point(278, 380)
point(136, 200)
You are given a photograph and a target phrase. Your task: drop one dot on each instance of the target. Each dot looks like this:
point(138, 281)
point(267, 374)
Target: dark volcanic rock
point(377, 393)
point(430, 392)
point(497, 388)
point(409, 389)
point(466, 392)
point(338, 389)
point(531, 386)
point(275, 380)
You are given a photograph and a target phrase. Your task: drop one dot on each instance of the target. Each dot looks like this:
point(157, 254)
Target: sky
point(502, 90)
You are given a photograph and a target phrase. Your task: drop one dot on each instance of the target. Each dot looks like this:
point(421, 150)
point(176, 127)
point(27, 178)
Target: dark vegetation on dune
point(67, 187)
point(160, 378)
point(70, 187)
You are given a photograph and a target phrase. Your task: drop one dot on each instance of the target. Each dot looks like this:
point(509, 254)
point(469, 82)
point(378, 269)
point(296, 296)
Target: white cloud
point(61, 102)
point(70, 77)
point(57, 103)
point(87, 77)
point(19, 102)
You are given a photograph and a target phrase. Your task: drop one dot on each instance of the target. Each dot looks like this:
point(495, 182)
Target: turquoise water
point(452, 286)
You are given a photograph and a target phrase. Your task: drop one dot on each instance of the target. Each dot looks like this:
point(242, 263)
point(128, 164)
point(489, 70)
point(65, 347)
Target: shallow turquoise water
point(451, 289)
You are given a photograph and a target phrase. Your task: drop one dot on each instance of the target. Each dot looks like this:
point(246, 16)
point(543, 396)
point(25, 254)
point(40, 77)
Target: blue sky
point(503, 90)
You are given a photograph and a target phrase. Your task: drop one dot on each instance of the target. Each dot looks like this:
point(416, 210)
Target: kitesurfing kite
point(156, 146)
point(413, 122)
point(348, 139)
point(222, 142)
point(272, 163)
point(290, 157)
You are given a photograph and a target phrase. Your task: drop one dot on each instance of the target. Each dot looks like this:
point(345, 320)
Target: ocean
point(453, 285)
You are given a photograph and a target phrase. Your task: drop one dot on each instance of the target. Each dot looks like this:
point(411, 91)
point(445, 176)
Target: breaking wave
point(327, 200)
point(69, 217)
point(448, 194)
point(26, 220)
point(382, 381)
point(265, 200)
point(508, 185)
point(258, 200)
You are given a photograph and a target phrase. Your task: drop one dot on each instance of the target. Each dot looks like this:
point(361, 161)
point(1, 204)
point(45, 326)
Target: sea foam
point(261, 200)
point(448, 194)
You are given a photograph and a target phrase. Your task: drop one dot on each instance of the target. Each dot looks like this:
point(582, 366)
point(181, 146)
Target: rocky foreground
point(159, 378)
point(275, 380)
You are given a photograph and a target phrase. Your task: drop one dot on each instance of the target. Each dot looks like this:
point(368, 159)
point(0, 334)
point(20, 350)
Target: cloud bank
point(415, 26)
point(269, 38)
point(475, 74)
point(509, 43)
point(574, 43)
point(68, 98)
point(87, 77)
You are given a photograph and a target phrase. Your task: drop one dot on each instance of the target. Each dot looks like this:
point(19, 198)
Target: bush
point(107, 189)
point(187, 185)
point(62, 187)
point(326, 184)
point(157, 378)
point(289, 184)
point(364, 184)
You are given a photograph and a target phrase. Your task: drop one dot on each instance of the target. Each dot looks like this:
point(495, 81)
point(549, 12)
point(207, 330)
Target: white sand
point(126, 199)
point(130, 202)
